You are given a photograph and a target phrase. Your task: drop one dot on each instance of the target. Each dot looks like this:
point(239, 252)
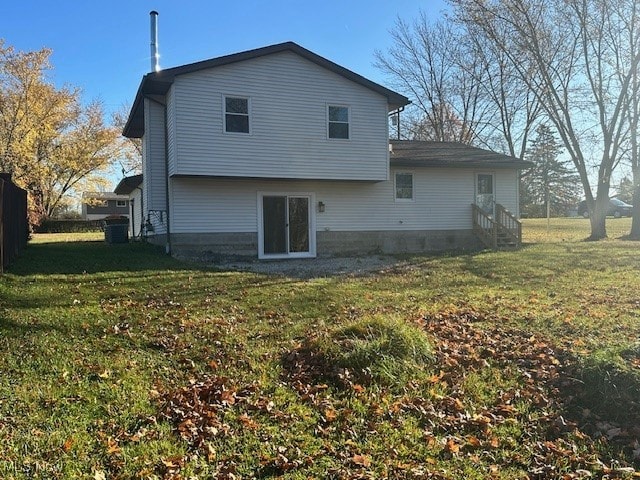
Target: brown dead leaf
point(112, 446)
point(358, 388)
point(247, 422)
point(361, 460)
point(452, 447)
point(474, 441)
point(68, 443)
point(175, 462)
point(228, 397)
point(330, 414)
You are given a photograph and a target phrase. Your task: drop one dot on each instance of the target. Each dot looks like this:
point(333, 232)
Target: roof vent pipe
point(155, 57)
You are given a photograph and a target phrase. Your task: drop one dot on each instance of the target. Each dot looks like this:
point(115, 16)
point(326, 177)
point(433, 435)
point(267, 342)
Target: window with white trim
point(236, 115)
point(338, 121)
point(404, 186)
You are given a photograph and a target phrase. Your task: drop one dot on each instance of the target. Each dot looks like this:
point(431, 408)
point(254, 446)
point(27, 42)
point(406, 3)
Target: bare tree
point(425, 62)
point(627, 25)
point(516, 111)
point(463, 88)
point(568, 53)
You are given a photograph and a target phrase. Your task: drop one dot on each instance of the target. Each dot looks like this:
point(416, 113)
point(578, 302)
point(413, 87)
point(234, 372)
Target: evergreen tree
point(625, 190)
point(550, 187)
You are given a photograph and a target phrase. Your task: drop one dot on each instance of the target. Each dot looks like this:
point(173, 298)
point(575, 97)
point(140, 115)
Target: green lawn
point(118, 362)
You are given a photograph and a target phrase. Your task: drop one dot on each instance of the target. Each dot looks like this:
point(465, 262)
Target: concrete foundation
point(214, 247)
point(395, 242)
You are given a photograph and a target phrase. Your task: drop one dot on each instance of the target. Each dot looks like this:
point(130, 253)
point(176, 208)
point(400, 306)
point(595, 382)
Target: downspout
point(141, 214)
point(132, 205)
point(518, 180)
point(166, 177)
point(397, 113)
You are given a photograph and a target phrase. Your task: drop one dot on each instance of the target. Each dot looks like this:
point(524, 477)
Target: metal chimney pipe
point(155, 57)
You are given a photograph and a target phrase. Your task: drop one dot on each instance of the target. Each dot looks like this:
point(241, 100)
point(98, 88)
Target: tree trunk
point(635, 222)
point(599, 214)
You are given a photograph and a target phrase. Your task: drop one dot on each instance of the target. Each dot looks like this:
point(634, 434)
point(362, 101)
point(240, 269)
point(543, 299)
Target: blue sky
point(103, 47)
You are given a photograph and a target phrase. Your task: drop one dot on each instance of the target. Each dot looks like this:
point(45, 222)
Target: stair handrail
point(509, 224)
point(485, 227)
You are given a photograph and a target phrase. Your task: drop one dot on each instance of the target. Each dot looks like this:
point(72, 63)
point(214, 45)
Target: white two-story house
point(278, 152)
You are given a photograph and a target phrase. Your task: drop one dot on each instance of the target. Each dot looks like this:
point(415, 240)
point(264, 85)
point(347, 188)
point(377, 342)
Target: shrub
point(69, 226)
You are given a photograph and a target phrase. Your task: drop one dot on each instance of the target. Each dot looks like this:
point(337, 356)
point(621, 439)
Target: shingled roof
point(158, 83)
point(413, 153)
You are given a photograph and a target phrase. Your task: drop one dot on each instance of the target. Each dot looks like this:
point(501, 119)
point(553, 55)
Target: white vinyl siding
point(172, 152)
point(136, 214)
point(442, 201)
point(288, 122)
point(153, 155)
point(506, 190)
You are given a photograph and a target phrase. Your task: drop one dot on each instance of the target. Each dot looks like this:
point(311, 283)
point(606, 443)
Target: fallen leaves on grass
point(528, 424)
point(547, 441)
point(198, 409)
point(548, 384)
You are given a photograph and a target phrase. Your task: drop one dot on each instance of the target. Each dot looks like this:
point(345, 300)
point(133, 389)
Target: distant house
point(99, 205)
point(131, 188)
point(280, 153)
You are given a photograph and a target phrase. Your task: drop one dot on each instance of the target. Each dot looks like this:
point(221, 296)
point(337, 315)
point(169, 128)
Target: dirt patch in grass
point(353, 266)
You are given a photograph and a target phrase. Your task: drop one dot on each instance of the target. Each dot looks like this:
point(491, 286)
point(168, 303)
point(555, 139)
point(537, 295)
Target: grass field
point(118, 362)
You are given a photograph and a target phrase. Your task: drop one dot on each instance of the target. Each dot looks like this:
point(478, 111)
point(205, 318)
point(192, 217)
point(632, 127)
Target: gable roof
point(158, 83)
point(128, 184)
point(414, 153)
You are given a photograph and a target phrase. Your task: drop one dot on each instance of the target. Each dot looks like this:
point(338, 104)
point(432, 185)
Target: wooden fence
point(14, 227)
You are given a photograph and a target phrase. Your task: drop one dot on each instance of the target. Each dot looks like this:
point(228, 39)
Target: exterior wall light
point(321, 207)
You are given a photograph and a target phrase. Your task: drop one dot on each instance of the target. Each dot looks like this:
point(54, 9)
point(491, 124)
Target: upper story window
point(236, 114)
point(404, 186)
point(121, 203)
point(338, 122)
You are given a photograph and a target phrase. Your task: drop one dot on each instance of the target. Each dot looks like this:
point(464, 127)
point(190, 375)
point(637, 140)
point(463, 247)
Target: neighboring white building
point(131, 188)
point(100, 205)
point(279, 153)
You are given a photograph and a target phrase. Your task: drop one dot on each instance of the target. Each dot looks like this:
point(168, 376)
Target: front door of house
point(485, 194)
point(286, 226)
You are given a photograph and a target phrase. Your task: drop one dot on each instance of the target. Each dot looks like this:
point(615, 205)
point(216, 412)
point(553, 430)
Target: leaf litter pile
point(535, 427)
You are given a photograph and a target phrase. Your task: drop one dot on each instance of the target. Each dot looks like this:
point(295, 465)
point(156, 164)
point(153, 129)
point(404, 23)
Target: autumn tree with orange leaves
point(50, 142)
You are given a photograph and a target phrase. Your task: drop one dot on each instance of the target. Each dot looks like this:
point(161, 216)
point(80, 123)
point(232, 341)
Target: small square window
point(121, 203)
point(338, 122)
point(236, 114)
point(404, 186)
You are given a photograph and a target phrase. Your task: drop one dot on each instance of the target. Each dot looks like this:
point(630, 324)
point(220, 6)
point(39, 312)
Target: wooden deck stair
point(500, 232)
